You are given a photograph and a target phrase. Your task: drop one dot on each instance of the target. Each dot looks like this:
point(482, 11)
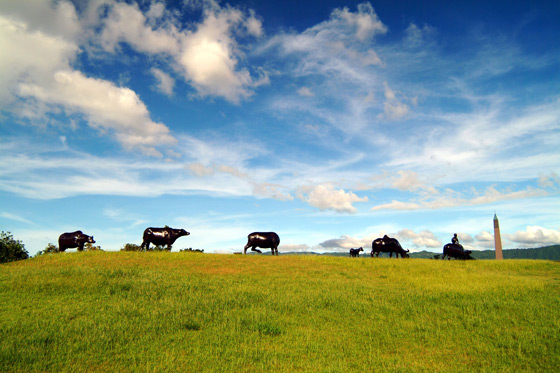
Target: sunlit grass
point(190, 311)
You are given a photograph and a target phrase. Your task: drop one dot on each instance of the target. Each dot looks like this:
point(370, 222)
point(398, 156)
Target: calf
point(355, 252)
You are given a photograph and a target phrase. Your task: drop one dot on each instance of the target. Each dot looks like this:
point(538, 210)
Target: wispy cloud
point(451, 198)
point(10, 216)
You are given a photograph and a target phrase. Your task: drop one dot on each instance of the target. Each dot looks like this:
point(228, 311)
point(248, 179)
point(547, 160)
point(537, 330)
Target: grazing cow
point(456, 251)
point(73, 239)
point(354, 253)
point(264, 240)
point(388, 245)
point(162, 236)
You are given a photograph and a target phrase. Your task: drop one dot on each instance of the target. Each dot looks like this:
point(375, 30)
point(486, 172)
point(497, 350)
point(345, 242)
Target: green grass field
point(127, 311)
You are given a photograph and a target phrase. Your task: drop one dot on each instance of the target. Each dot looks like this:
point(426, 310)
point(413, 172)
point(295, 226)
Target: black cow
point(264, 240)
point(73, 239)
point(388, 245)
point(162, 236)
point(355, 252)
point(456, 251)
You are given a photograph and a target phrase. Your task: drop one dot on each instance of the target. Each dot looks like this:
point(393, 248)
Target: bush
point(10, 249)
point(89, 247)
point(134, 247)
point(50, 249)
point(131, 247)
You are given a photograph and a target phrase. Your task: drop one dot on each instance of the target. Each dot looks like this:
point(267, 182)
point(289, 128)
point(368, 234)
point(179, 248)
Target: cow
point(264, 240)
point(161, 236)
point(388, 245)
point(73, 239)
point(355, 252)
point(456, 251)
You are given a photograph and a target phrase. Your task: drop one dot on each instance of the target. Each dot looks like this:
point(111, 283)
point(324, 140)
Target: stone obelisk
point(497, 239)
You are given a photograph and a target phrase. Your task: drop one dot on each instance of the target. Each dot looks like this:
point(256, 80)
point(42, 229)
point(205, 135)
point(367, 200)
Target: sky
point(329, 122)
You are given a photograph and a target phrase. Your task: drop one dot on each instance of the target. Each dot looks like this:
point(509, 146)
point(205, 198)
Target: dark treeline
point(547, 253)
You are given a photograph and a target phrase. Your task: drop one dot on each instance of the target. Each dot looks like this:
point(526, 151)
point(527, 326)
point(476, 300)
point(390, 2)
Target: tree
point(10, 249)
point(50, 249)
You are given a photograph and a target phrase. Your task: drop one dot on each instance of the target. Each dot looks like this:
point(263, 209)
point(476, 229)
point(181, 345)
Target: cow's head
point(85, 238)
point(181, 232)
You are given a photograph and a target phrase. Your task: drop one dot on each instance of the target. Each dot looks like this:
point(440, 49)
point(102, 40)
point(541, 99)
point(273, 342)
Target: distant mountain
point(546, 253)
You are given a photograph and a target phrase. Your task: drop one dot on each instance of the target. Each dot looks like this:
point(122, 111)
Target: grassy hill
point(123, 311)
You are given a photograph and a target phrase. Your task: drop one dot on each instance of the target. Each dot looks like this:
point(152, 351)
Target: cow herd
point(265, 240)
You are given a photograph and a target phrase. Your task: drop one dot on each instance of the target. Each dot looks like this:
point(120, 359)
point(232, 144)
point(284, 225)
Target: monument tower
point(497, 239)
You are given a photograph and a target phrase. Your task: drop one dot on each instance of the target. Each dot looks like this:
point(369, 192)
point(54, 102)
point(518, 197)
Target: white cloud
point(407, 180)
point(254, 26)
point(271, 191)
point(165, 82)
point(208, 57)
point(535, 235)
point(551, 180)
point(105, 106)
point(29, 55)
point(365, 21)
point(394, 109)
point(200, 170)
point(36, 78)
point(305, 91)
point(422, 239)
point(325, 197)
point(416, 36)
point(347, 242)
point(485, 239)
point(126, 23)
point(335, 48)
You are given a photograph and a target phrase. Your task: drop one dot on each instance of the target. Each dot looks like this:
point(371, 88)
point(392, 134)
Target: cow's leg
point(254, 248)
point(81, 246)
point(146, 245)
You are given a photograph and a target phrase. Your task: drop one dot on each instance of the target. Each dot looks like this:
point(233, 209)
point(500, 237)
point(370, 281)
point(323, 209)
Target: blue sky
point(329, 122)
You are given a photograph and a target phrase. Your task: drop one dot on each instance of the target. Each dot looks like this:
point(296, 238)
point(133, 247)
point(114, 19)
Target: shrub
point(50, 249)
point(131, 247)
point(89, 247)
point(10, 249)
